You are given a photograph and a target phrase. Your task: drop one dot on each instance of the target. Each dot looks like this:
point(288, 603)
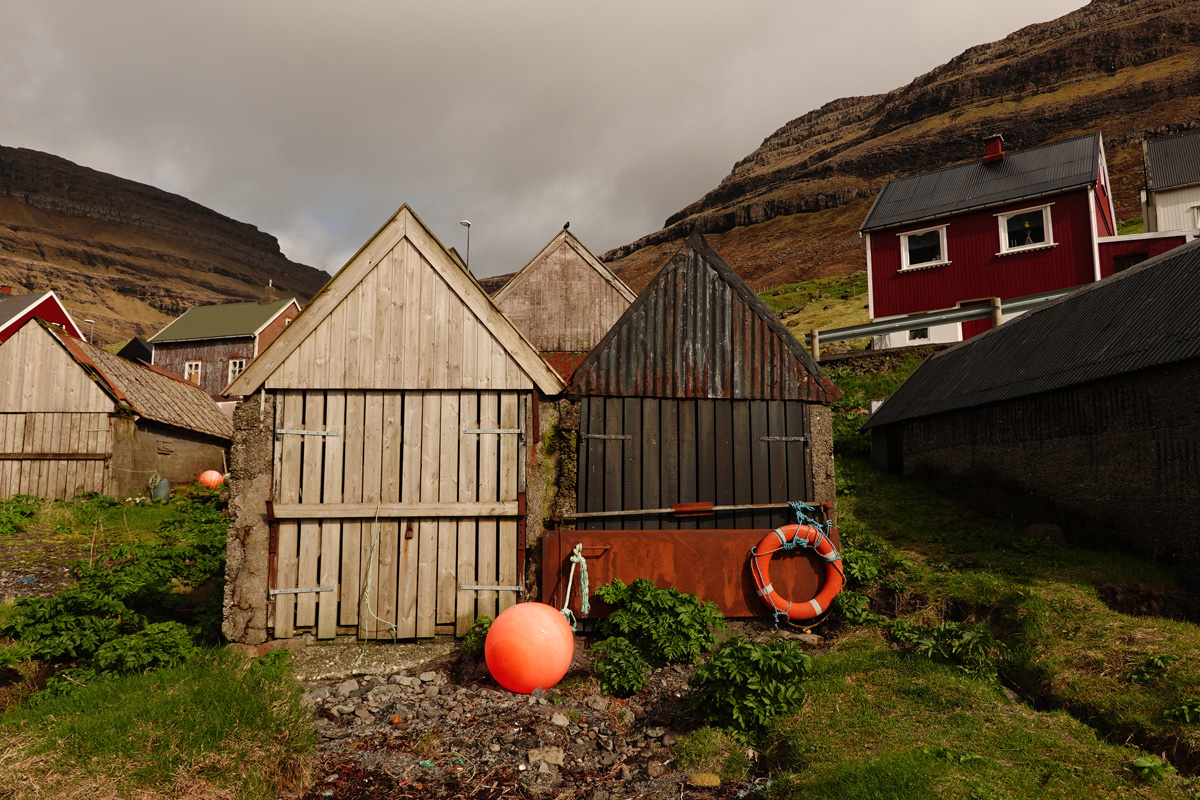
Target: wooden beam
point(54, 456)
point(392, 510)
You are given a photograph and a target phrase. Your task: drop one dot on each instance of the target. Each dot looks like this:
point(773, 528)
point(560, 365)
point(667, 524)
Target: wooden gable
point(698, 331)
point(44, 377)
point(564, 300)
point(401, 315)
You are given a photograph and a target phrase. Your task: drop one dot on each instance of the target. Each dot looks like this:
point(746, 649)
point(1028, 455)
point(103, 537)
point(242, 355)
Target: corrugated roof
point(697, 330)
point(1037, 171)
point(12, 305)
point(217, 322)
point(150, 394)
point(1173, 161)
point(1144, 317)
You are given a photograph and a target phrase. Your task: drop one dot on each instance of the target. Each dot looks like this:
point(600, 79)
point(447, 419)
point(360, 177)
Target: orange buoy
point(211, 478)
point(787, 537)
point(529, 646)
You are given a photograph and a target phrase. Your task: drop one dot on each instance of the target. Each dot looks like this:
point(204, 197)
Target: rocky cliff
point(127, 255)
point(791, 209)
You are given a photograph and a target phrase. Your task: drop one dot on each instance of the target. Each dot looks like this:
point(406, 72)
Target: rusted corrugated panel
point(1143, 317)
point(697, 331)
point(711, 564)
point(1173, 161)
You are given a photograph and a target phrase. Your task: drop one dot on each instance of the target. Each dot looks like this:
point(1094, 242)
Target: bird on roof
point(566, 224)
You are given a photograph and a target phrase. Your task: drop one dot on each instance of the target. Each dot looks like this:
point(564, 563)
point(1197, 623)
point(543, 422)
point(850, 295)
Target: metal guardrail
point(929, 318)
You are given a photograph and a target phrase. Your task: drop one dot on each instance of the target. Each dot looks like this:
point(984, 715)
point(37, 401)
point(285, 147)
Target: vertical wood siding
point(400, 328)
point(214, 357)
point(395, 576)
point(640, 453)
point(976, 271)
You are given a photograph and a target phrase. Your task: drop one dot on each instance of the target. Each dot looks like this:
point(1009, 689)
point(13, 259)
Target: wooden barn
point(698, 394)
point(564, 301)
point(379, 462)
point(1081, 414)
point(75, 418)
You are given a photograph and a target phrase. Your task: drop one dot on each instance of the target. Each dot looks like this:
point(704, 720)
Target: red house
point(17, 309)
point(1007, 226)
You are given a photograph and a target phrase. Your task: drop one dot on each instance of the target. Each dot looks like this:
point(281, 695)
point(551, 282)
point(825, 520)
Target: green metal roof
point(220, 322)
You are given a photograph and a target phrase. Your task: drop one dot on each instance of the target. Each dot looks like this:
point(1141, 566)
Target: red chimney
point(995, 149)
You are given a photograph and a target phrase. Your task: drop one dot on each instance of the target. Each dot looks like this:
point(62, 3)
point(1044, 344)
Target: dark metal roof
point(1173, 161)
point(1144, 317)
point(698, 331)
point(1043, 170)
point(13, 305)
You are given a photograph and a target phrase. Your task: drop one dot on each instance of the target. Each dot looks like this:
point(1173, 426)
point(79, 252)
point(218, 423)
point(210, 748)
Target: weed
point(855, 608)
point(1151, 768)
point(1188, 713)
point(620, 666)
point(1152, 668)
point(970, 646)
point(16, 511)
point(744, 684)
point(666, 625)
point(475, 637)
point(709, 749)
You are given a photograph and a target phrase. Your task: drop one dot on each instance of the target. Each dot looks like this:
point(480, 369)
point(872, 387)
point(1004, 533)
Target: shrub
point(16, 511)
point(743, 684)
point(620, 667)
point(666, 625)
point(475, 638)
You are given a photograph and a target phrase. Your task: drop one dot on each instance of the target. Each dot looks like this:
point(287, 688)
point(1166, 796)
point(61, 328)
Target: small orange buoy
point(529, 646)
point(211, 478)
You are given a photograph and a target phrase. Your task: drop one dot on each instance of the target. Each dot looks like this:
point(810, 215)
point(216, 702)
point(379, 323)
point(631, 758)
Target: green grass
point(217, 726)
point(821, 303)
point(879, 725)
point(1062, 646)
point(860, 384)
point(1132, 226)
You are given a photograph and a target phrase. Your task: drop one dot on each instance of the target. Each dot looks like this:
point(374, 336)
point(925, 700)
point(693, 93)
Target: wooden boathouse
point(564, 301)
point(698, 394)
point(379, 460)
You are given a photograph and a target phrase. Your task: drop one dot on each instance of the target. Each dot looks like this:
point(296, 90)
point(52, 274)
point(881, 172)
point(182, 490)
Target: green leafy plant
point(862, 567)
point(744, 684)
point(666, 625)
point(16, 511)
point(970, 646)
point(1188, 713)
point(474, 639)
point(1151, 768)
point(620, 666)
point(162, 644)
point(1152, 668)
point(855, 608)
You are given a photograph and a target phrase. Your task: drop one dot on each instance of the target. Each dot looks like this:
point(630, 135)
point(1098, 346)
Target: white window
point(191, 371)
point(917, 334)
point(1026, 229)
point(924, 248)
point(236, 365)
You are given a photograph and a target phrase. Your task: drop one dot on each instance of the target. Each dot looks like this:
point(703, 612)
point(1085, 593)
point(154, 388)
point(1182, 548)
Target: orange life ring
point(787, 537)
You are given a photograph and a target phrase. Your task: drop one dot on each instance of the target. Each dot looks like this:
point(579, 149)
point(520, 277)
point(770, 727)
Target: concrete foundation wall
point(248, 551)
point(144, 449)
point(1115, 461)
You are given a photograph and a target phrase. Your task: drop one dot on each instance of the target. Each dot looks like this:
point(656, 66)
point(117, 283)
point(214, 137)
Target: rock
point(626, 774)
point(548, 755)
point(495, 748)
point(382, 695)
point(343, 709)
point(597, 702)
point(431, 691)
point(702, 779)
point(809, 639)
point(364, 714)
point(656, 769)
point(346, 687)
point(428, 677)
point(397, 679)
point(322, 693)
point(655, 733)
point(668, 739)
point(600, 794)
point(559, 719)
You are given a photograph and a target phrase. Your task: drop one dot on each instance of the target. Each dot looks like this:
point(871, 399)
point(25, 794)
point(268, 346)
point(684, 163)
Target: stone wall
point(1114, 462)
point(248, 558)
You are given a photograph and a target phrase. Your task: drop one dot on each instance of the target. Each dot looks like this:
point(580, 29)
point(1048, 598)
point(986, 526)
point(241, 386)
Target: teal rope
point(804, 516)
point(584, 606)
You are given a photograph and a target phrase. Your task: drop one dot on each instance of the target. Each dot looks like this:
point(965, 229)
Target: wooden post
point(816, 344)
point(997, 314)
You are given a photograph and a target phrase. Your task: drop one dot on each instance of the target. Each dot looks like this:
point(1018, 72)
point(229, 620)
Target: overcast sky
point(316, 120)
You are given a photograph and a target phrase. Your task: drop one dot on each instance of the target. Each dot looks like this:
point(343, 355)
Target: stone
point(346, 687)
point(559, 719)
point(364, 714)
point(322, 693)
point(668, 739)
point(431, 691)
point(809, 639)
point(495, 748)
point(343, 709)
point(397, 679)
point(703, 779)
point(543, 768)
point(428, 677)
point(548, 755)
point(656, 769)
point(600, 794)
point(655, 733)
point(597, 702)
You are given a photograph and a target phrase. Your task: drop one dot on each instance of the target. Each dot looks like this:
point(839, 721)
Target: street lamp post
point(466, 223)
point(91, 329)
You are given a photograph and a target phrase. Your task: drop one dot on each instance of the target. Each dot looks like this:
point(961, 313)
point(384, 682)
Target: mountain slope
point(791, 209)
point(127, 255)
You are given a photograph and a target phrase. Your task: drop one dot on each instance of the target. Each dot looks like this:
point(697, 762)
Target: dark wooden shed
point(699, 394)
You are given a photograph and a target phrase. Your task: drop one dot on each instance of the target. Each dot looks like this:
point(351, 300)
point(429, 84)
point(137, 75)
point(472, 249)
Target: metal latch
point(468, 588)
point(281, 431)
point(607, 436)
point(518, 431)
point(784, 438)
point(273, 592)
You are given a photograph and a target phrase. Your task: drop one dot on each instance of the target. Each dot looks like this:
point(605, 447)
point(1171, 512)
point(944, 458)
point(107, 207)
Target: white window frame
point(241, 366)
point(1047, 226)
point(912, 335)
point(905, 265)
point(191, 368)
